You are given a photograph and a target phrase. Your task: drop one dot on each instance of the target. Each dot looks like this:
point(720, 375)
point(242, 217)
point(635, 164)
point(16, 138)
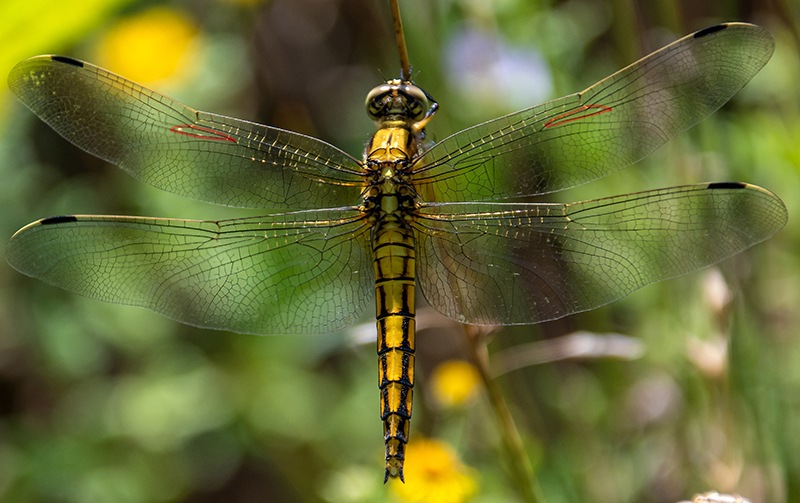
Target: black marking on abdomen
point(392, 243)
point(401, 312)
point(402, 411)
point(406, 345)
point(398, 278)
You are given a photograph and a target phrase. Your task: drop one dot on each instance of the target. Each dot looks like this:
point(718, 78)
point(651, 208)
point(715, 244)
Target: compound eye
point(417, 102)
point(377, 101)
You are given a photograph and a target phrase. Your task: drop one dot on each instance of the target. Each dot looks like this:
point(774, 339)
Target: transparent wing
point(607, 127)
point(196, 154)
point(502, 264)
point(304, 272)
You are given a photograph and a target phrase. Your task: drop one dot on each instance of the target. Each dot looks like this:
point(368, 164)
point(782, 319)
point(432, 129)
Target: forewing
point(196, 154)
point(610, 125)
point(502, 264)
point(304, 272)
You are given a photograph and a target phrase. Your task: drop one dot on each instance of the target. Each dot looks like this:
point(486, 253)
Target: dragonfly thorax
point(388, 158)
point(391, 147)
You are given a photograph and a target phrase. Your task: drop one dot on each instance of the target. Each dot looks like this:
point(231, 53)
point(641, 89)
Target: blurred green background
point(699, 390)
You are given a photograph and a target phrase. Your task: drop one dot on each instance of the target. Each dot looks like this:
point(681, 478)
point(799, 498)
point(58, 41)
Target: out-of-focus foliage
point(111, 403)
point(34, 26)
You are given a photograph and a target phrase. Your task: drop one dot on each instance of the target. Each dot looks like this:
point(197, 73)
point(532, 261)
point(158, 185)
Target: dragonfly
point(450, 220)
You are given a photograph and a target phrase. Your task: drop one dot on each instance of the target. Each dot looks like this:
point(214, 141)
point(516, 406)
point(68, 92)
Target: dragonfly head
point(398, 100)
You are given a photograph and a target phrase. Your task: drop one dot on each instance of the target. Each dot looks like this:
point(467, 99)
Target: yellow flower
point(454, 382)
point(434, 474)
point(154, 45)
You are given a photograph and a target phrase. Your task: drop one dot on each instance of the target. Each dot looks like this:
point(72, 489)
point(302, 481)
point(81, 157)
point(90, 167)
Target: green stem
point(521, 468)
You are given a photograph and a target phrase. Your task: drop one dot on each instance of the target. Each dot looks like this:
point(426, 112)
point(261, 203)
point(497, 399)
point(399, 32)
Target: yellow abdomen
point(394, 260)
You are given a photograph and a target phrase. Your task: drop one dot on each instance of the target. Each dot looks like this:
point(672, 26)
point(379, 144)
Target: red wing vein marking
point(204, 133)
point(575, 114)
